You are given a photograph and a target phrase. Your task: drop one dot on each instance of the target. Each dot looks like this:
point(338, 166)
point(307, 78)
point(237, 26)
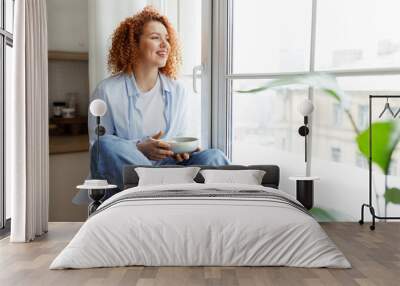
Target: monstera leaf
point(325, 82)
point(392, 195)
point(322, 81)
point(385, 137)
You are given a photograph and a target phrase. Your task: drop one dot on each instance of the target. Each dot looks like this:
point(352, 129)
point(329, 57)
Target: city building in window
point(336, 154)
point(337, 115)
point(362, 116)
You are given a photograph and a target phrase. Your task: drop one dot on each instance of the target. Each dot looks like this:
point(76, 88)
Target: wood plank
point(375, 257)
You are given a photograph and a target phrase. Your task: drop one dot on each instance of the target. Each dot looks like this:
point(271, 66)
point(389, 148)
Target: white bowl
point(183, 144)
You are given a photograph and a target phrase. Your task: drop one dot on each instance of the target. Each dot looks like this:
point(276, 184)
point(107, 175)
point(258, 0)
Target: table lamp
point(98, 108)
point(305, 108)
point(97, 186)
point(305, 184)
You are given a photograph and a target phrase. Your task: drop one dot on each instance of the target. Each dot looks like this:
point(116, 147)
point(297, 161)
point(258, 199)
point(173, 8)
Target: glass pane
point(8, 86)
point(194, 107)
point(350, 39)
point(271, 36)
point(335, 152)
point(186, 18)
point(332, 128)
point(190, 34)
point(9, 11)
point(265, 126)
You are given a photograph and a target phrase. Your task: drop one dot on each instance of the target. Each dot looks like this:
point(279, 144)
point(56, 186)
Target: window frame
point(222, 51)
point(206, 62)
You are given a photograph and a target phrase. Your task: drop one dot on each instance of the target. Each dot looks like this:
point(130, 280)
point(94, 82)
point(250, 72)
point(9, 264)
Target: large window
point(266, 42)
point(298, 37)
point(6, 44)
point(356, 41)
point(358, 88)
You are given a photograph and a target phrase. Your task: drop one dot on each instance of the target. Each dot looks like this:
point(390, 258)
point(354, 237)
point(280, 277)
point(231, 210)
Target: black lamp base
point(305, 193)
point(96, 195)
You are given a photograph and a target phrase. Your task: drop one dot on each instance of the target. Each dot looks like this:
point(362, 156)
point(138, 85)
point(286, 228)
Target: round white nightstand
point(305, 190)
point(96, 193)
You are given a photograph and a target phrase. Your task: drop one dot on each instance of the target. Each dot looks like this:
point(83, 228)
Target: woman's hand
point(154, 148)
point(184, 156)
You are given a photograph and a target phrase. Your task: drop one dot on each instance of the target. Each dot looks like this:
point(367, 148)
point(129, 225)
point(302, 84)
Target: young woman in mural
point(146, 105)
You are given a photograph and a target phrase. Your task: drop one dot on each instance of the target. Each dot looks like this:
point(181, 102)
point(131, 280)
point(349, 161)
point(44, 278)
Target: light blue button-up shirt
point(123, 119)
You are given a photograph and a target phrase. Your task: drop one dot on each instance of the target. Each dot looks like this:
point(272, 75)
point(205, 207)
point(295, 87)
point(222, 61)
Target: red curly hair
point(124, 50)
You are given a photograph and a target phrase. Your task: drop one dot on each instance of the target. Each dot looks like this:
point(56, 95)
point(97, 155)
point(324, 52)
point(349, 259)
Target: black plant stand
point(305, 190)
point(369, 205)
point(96, 193)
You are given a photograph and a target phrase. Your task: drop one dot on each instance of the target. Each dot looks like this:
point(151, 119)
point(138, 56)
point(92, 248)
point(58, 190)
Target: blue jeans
point(115, 153)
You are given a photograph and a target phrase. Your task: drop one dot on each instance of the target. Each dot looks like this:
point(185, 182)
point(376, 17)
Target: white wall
point(68, 25)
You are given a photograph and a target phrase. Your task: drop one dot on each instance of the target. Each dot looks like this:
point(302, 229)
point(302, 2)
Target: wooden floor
point(375, 257)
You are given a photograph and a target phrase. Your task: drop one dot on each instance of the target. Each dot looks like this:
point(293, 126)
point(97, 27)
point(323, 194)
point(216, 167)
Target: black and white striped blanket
point(206, 194)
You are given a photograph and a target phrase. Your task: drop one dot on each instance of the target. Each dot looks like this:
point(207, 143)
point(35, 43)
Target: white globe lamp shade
point(306, 107)
point(98, 107)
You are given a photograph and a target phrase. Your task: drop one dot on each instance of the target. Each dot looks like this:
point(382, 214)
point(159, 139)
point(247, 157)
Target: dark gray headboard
point(270, 179)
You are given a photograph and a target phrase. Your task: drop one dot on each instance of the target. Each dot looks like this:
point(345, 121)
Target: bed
point(197, 224)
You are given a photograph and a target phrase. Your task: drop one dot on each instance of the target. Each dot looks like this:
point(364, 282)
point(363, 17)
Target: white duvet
point(199, 231)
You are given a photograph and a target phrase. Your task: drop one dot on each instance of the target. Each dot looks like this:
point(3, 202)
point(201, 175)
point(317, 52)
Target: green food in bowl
point(183, 144)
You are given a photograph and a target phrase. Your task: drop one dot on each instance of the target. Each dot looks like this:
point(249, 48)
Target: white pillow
point(165, 176)
point(249, 177)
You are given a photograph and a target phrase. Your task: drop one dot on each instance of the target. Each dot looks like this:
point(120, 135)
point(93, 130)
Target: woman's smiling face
point(154, 44)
